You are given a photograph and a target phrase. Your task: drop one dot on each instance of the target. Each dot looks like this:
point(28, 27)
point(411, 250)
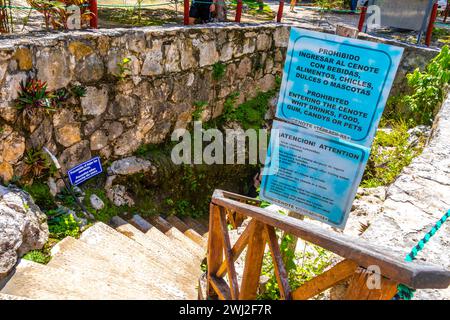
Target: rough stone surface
point(96, 202)
point(95, 101)
point(130, 165)
point(119, 196)
point(416, 201)
point(23, 227)
point(170, 69)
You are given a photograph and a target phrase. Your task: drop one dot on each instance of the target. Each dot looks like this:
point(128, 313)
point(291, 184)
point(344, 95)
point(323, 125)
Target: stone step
point(77, 257)
point(4, 296)
point(187, 231)
point(36, 281)
point(197, 224)
point(167, 248)
point(155, 234)
point(141, 264)
point(175, 234)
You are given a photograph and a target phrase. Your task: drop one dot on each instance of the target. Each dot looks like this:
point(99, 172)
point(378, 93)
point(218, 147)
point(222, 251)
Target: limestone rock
point(6, 171)
point(96, 202)
point(98, 140)
point(13, 147)
point(208, 53)
point(69, 134)
point(52, 66)
point(130, 165)
point(23, 227)
point(119, 196)
point(152, 63)
point(24, 58)
point(416, 201)
point(75, 154)
point(95, 101)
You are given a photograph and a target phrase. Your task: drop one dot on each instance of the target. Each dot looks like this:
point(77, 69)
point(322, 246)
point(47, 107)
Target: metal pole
point(238, 11)
point(362, 18)
point(186, 12)
point(280, 10)
point(94, 10)
point(431, 24)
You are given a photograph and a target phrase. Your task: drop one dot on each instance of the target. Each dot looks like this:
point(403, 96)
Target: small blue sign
point(84, 171)
point(337, 85)
point(312, 173)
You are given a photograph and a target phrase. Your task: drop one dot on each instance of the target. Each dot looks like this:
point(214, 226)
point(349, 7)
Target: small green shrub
point(429, 88)
point(37, 256)
point(108, 211)
point(199, 107)
point(218, 71)
point(41, 195)
point(33, 95)
point(63, 226)
point(78, 91)
point(390, 153)
point(301, 267)
point(124, 69)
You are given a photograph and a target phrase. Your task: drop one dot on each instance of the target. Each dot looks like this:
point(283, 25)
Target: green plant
point(390, 153)
point(199, 107)
point(64, 226)
point(33, 95)
point(36, 165)
point(37, 256)
point(41, 195)
point(218, 71)
point(78, 91)
point(300, 267)
point(124, 69)
point(108, 211)
point(429, 87)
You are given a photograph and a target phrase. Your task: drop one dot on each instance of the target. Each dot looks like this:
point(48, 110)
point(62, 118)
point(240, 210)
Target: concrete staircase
point(153, 258)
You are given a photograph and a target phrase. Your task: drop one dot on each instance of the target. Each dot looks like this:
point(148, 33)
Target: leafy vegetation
point(429, 88)
point(301, 267)
point(63, 226)
point(36, 166)
point(391, 152)
point(218, 71)
point(33, 95)
point(41, 195)
point(37, 256)
point(108, 211)
point(199, 107)
point(124, 69)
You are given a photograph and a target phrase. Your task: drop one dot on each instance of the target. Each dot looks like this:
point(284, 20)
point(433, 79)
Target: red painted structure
point(431, 24)
point(186, 12)
point(93, 23)
point(280, 11)
point(238, 11)
point(362, 18)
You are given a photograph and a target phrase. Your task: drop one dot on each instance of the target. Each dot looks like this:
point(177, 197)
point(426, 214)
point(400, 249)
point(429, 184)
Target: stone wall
point(170, 70)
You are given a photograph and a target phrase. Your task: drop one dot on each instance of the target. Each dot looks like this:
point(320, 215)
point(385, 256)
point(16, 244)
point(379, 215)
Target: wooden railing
point(358, 255)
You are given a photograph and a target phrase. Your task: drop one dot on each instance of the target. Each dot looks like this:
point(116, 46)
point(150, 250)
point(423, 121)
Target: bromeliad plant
point(33, 96)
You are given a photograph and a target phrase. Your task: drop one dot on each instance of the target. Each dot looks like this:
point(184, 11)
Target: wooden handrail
point(394, 269)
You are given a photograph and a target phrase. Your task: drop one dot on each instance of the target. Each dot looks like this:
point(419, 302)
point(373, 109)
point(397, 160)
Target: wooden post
point(186, 12)
point(94, 10)
point(362, 18)
point(215, 249)
point(280, 11)
point(238, 11)
point(359, 288)
point(431, 24)
point(253, 262)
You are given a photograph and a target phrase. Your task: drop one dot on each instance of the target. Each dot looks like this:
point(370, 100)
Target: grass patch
point(130, 17)
point(390, 153)
point(38, 256)
point(41, 195)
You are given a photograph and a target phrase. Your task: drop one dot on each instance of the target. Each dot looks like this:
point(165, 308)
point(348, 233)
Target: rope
point(404, 292)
